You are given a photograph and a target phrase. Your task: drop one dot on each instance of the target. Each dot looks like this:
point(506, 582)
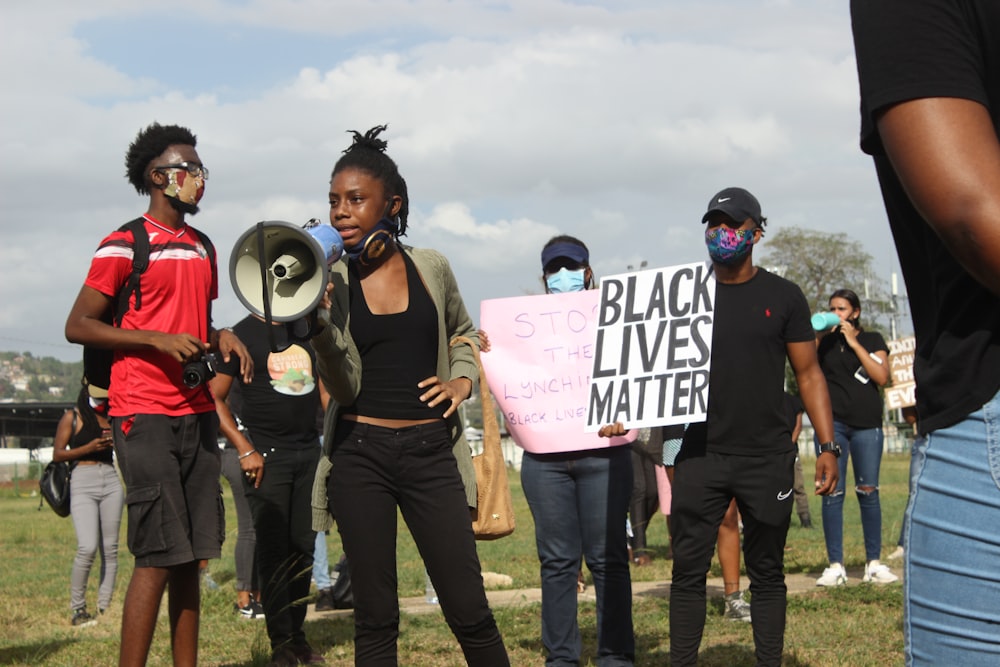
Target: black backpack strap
point(140, 262)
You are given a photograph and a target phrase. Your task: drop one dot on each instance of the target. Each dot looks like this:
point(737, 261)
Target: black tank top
point(397, 351)
point(86, 434)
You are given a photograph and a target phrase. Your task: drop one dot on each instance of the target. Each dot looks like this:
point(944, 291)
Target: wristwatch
point(831, 447)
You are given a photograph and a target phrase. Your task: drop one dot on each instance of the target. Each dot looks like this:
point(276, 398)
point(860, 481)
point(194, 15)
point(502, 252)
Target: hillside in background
point(24, 377)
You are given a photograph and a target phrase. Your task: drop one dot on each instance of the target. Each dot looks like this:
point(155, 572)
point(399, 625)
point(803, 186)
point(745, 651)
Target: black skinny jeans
point(282, 517)
point(375, 470)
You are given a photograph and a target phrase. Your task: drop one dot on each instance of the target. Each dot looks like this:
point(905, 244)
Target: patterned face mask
point(728, 246)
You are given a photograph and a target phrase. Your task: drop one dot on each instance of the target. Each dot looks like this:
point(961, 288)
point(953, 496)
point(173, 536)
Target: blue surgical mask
point(728, 246)
point(564, 280)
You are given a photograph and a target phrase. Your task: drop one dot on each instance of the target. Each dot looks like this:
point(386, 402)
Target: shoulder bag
point(493, 517)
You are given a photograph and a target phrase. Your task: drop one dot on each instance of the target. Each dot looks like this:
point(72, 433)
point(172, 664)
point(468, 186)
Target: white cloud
point(511, 121)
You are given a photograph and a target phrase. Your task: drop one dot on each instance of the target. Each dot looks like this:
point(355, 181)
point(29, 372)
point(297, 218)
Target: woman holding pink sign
point(579, 500)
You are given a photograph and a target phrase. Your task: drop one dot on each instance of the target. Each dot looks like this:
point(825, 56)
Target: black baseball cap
point(737, 203)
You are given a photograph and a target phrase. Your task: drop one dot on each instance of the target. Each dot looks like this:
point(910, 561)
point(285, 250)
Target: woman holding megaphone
point(393, 437)
point(855, 363)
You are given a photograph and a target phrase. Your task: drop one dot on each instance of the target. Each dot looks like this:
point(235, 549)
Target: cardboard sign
point(538, 368)
point(902, 393)
point(653, 351)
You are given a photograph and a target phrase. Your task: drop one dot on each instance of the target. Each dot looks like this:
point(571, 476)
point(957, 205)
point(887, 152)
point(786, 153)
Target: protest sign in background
point(902, 392)
point(652, 354)
point(538, 368)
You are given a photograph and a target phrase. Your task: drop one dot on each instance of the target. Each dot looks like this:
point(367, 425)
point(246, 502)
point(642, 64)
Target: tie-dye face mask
point(728, 246)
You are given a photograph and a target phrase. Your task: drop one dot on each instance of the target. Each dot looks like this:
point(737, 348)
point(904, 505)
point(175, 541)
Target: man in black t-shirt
point(278, 455)
point(930, 101)
point(744, 450)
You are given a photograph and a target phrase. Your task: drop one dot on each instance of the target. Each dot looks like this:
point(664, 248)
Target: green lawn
point(858, 625)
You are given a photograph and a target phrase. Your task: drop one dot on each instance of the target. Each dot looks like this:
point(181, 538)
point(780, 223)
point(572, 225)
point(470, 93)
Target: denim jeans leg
point(833, 504)
point(951, 586)
point(604, 483)
point(866, 458)
point(550, 488)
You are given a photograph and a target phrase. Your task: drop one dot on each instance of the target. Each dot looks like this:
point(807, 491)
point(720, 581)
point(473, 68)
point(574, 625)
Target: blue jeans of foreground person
point(863, 446)
point(579, 502)
point(375, 471)
point(951, 593)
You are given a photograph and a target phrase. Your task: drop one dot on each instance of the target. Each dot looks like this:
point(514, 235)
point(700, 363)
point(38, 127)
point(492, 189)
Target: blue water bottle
point(824, 321)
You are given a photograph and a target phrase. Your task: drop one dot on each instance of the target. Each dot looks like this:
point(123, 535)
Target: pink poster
point(539, 366)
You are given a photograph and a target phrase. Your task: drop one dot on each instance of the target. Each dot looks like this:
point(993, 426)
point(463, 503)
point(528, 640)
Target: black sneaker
point(305, 654)
point(253, 610)
point(82, 619)
point(324, 600)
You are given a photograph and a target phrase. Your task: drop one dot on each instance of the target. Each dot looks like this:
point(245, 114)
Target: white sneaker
point(876, 573)
point(897, 554)
point(737, 609)
point(835, 575)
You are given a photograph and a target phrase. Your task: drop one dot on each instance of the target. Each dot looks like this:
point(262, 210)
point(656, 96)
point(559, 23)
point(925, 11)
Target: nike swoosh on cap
point(722, 199)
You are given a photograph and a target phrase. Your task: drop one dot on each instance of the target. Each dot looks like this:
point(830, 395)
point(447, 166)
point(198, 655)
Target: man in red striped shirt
point(164, 430)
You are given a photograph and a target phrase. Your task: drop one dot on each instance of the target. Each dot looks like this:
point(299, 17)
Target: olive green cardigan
point(339, 364)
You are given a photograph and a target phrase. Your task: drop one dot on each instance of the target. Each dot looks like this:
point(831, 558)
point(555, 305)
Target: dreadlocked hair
point(367, 153)
point(149, 144)
point(85, 409)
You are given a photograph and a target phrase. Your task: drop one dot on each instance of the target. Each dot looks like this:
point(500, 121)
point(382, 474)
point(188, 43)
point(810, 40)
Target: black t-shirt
point(793, 407)
point(753, 323)
point(854, 397)
point(935, 48)
point(280, 404)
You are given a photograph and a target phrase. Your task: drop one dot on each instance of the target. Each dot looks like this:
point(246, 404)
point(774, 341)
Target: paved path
point(797, 583)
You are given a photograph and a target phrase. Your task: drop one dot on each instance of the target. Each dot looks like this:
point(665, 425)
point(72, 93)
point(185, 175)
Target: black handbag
point(54, 486)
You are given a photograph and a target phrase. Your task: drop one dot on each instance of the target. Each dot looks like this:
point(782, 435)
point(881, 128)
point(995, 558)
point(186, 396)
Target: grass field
point(858, 625)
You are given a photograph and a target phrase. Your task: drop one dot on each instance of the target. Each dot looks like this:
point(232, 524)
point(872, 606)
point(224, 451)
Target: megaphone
point(279, 270)
point(824, 321)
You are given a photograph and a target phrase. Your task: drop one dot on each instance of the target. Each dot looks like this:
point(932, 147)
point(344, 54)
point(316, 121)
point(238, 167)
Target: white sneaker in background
point(835, 575)
point(737, 609)
point(896, 555)
point(876, 573)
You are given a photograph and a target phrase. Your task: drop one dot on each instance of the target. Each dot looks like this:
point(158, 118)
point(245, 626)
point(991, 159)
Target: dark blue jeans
point(375, 471)
point(282, 517)
point(579, 502)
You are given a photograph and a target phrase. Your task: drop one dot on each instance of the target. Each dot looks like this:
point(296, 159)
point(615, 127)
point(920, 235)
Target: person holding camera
point(83, 437)
point(277, 453)
point(855, 363)
point(164, 430)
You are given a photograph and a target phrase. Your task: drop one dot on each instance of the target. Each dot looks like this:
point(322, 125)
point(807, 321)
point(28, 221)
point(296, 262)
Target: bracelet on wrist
point(244, 455)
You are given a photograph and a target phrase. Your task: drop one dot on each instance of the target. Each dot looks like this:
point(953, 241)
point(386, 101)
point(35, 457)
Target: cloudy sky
point(512, 121)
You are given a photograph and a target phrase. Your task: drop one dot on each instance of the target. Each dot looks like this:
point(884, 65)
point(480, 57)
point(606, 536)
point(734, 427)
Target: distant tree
point(821, 263)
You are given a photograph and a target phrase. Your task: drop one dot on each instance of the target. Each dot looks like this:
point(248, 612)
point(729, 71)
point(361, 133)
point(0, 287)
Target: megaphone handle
point(265, 294)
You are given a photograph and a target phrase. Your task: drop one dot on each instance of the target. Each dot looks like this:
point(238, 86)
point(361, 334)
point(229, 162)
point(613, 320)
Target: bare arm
point(816, 398)
point(64, 433)
point(251, 461)
point(877, 368)
point(85, 326)
point(947, 156)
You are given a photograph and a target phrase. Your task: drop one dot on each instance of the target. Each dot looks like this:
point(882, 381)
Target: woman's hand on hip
point(456, 391)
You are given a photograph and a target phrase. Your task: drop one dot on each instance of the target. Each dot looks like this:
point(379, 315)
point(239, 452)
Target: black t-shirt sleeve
point(908, 50)
point(799, 328)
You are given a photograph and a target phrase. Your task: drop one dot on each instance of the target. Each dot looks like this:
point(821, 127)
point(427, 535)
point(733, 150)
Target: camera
point(199, 371)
